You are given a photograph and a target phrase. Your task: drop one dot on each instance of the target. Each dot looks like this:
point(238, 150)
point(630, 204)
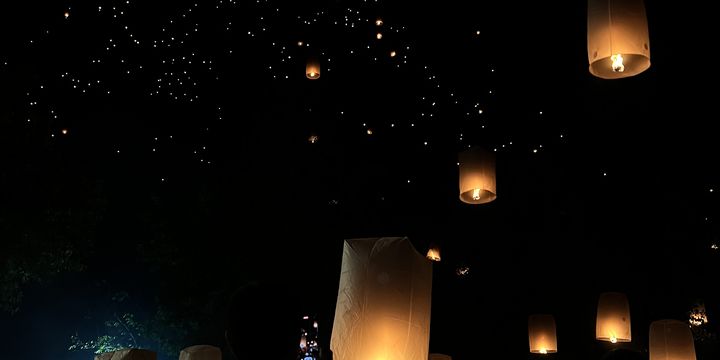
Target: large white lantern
point(613, 318)
point(617, 38)
point(383, 303)
point(671, 340)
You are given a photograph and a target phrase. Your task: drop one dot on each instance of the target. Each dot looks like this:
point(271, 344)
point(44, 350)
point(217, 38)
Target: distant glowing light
point(714, 246)
point(617, 63)
point(67, 14)
point(64, 131)
point(313, 139)
point(477, 32)
point(378, 22)
point(462, 270)
point(379, 36)
point(369, 131)
point(393, 53)
point(300, 43)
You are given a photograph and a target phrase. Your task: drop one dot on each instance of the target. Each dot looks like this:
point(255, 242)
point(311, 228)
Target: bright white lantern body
point(542, 334)
point(383, 304)
point(617, 38)
point(671, 340)
point(128, 354)
point(201, 352)
point(477, 176)
point(613, 318)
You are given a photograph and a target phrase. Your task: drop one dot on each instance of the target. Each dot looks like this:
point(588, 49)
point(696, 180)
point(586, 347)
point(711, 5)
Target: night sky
point(157, 170)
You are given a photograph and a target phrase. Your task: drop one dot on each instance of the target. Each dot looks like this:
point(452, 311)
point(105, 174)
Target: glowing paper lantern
point(383, 303)
point(433, 253)
point(542, 335)
point(671, 340)
point(477, 176)
point(613, 318)
point(201, 352)
point(312, 69)
point(128, 354)
point(617, 38)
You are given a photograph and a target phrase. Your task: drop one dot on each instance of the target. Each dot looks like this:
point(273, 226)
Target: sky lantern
point(312, 69)
point(671, 340)
point(617, 38)
point(542, 334)
point(383, 303)
point(201, 352)
point(477, 176)
point(613, 318)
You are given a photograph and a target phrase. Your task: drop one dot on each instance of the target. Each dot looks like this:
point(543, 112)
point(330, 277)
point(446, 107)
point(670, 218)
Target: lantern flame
point(613, 339)
point(617, 63)
point(476, 194)
point(543, 351)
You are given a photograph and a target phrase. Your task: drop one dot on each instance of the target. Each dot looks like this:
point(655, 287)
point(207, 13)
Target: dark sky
point(166, 144)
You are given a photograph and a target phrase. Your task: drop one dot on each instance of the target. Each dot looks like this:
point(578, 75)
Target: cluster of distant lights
point(181, 78)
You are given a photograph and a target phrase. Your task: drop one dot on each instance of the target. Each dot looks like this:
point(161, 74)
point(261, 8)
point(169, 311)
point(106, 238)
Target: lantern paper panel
point(128, 354)
point(312, 69)
point(617, 38)
point(201, 352)
point(542, 334)
point(671, 340)
point(433, 253)
point(383, 303)
point(613, 318)
point(477, 176)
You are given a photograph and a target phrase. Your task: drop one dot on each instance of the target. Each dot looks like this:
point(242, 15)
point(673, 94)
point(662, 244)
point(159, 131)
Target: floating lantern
point(312, 70)
point(433, 253)
point(378, 36)
point(383, 303)
point(617, 39)
point(542, 335)
point(671, 340)
point(613, 318)
point(128, 354)
point(378, 22)
point(201, 352)
point(477, 176)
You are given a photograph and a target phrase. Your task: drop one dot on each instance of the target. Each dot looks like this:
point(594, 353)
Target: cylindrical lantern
point(128, 354)
point(617, 39)
point(433, 253)
point(201, 352)
point(312, 69)
point(383, 303)
point(477, 176)
point(542, 335)
point(671, 340)
point(613, 318)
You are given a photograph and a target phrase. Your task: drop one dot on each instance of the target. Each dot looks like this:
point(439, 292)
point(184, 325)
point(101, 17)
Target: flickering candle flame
point(476, 194)
point(613, 339)
point(312, 74)
point(617, 63)
point(543, 351)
